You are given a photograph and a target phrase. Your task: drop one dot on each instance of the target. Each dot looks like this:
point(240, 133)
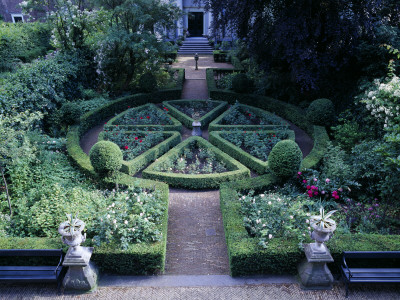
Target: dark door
point(195, 24)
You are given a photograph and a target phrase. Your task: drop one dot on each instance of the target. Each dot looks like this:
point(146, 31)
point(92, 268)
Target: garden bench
point(32, 273)
point(369, 274)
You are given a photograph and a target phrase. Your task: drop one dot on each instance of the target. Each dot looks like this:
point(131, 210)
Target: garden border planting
point(282, 256)
point(176, 126)
point(186, 120)
point(215, 126)
point(245, 158)
point(200, 181)
point(131, 167)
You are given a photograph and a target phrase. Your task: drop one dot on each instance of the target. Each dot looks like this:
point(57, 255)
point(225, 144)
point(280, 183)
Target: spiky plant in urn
point(71, 233)
point(323, 227)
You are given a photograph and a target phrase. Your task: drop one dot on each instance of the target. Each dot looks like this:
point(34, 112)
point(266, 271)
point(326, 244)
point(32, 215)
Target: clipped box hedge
point(220, 56)
point(199, 181)
point(236, 152)
point(216, 124)
point(138, 259)
point(186, 120)
point(131, 167)
point(175, 126)
point(282, 256)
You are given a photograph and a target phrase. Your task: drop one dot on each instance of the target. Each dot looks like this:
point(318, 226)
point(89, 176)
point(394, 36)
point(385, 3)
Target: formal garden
point(83, 69)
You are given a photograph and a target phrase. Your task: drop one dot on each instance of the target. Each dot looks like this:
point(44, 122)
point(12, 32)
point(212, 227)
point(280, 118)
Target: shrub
point(70, 113)
point(106, 157)
point(148, 83)
point(285, 158)
point(321, 112)
point(241, 83)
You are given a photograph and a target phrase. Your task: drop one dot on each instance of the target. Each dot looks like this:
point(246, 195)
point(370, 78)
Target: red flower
point(140, 141)
point(105, 123)
point(249, 115)
point(148, 117)
point(141, 118)
point(126, 147)
point(308, 187)
point(136, 138)
point(129, 107)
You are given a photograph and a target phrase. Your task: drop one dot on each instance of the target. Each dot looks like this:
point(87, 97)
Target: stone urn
point(71, 233)
point(323, 227)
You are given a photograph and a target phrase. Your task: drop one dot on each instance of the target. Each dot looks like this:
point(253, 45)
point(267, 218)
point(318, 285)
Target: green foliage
point(321, 112)
point(285, 159)
point(348, 132)
point(241, 83)
point(106, 157)
point(226, 82)
point(335, 164)
point(70, 113)
point(22, 42)
point(147, 83)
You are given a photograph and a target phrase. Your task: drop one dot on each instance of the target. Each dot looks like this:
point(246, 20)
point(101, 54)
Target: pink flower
point(315, 179)
point(126, 147)
point(304, 181)
point(308, 187)
point(327, 180)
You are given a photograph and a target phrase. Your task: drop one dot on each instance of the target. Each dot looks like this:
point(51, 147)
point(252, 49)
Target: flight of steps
point(194, 45)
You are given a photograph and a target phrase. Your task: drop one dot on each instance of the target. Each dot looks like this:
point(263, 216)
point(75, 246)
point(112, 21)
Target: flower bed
point(250, 148)
point(202, 173)
point(145, 146)
point(145, 117)
point(187, 111)
point(240, 116)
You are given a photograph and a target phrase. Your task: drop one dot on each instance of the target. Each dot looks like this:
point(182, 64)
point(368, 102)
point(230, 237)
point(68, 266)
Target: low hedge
point(139, 259)
point(172, 54)
point(200, 181)
point(282, 256)
point(215, 125)
point(220, 56)
point(95, 117)
point(176, 125)
point(321, 140)
point(131, 167)
point(186, 120)
point(236, 152)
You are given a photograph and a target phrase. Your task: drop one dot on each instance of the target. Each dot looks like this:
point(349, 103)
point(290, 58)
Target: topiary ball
point(241, 83)
point(284, 160)
point(106, 157)
point(148, 83)
point(70, 113)
point(321, 112)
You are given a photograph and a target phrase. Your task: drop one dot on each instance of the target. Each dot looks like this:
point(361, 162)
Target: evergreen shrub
point(148, 83)
point(285, 158)
point(321, 112)
point(106, 157)
point(241, 83)
point(70, 113)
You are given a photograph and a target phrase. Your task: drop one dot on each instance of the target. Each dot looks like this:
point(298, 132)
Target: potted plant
point(323, 227)
point(71, 233)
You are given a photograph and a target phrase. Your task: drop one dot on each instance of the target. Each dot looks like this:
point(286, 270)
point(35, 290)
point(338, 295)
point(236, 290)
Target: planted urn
point(71, 233)
point(323, 227)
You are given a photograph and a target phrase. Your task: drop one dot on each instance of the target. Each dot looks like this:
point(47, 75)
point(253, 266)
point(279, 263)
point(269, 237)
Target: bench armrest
point(347, 268)
point(59, 263)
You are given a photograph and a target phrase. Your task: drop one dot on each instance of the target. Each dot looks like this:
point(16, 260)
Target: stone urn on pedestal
point(196, 131)
point(313, 271)
point(81, 274)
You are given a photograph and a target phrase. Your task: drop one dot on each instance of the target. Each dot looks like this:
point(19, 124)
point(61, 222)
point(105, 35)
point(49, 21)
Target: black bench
point(32, 273)
point(369, 274)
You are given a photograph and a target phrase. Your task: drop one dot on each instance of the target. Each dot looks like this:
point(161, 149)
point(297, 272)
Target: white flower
point(112, 205)
point(269, 202)
point(126, 222)
point(127, 198)
point(133, 229)
point(307, 221)
point(108, 216)
point(270, 236)
point(114, 221)
point(141, 214)
point(291, 217)
point(262, 195)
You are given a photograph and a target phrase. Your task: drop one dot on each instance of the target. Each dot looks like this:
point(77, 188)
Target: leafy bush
point(226, 82)
point(241, 83)
point(321, 112)
point(285, 158)
point(70, 113)
point(147, 83)
point(106, 157)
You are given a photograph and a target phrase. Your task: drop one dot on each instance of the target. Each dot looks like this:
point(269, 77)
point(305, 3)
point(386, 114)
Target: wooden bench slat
point(17, 273)
point(371, 254)
point(27, 268)
point(375, 270)
point(28, 278)
point(365, 280)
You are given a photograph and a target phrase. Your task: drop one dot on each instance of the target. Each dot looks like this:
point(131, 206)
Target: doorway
point(195, 23)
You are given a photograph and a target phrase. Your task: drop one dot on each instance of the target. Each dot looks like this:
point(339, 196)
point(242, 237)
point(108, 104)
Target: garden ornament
point(196, 58)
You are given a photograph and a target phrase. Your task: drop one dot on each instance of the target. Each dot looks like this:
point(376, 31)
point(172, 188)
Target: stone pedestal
point(81, 274)
point(197, 129)
point(313, 271)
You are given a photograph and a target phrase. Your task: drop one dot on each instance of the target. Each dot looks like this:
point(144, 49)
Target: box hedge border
point(186, 120)
point(282, 256)
point(139, 259)
point(199, 181)
point(131, 167)
point(287, 111)
point(242, 156)
point(176, 125)
point(215, 126)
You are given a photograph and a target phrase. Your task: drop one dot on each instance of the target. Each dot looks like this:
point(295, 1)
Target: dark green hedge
point(201, 181)
point(186, 120)
point(131, 167)
point(321, 140)
point(220, 56)
point(95, 117)
point(245, 158)
point(215, 125)
point(176, 126)
point(282, 256)
point(171, 54)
